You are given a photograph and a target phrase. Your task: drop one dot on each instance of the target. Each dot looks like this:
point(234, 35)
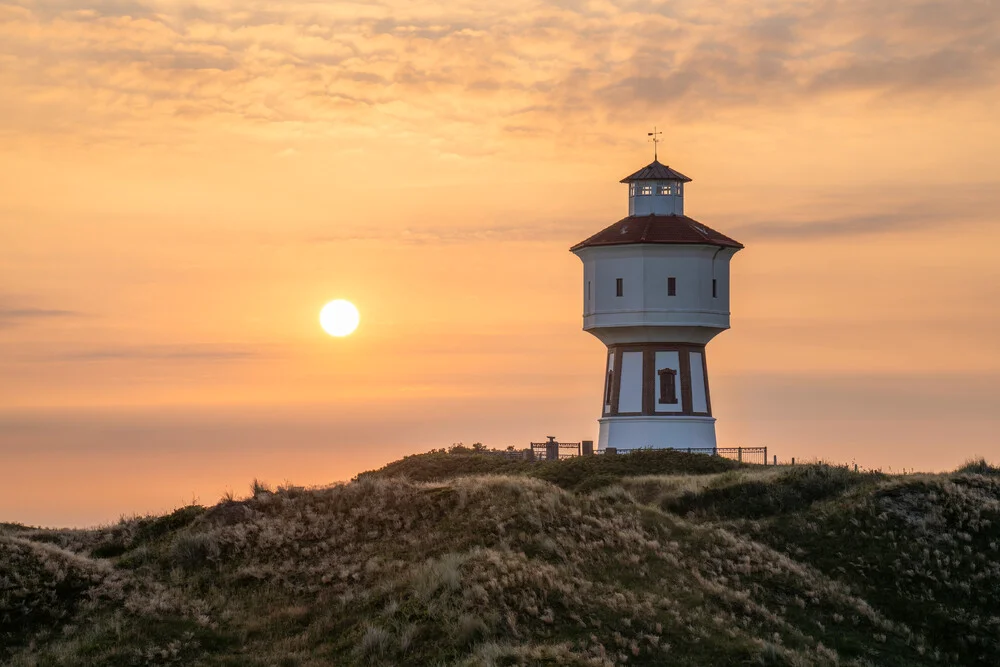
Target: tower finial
point(656, 139)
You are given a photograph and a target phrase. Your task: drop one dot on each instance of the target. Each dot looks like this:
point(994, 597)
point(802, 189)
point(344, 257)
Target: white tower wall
point(693, 313)
point(653, 432)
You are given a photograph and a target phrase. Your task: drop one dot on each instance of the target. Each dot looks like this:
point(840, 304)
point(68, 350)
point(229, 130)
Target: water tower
point(656, 291)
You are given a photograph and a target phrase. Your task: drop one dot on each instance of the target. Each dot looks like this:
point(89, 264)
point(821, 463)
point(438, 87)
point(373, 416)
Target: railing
point(542, 451)
point(550, 451)
point(741, 454)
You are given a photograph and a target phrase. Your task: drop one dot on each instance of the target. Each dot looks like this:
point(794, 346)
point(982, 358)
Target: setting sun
point(339, 318)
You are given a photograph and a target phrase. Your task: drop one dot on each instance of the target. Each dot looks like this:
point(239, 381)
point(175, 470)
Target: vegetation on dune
point(979, 467)
point(468, 559)
point(581, 473)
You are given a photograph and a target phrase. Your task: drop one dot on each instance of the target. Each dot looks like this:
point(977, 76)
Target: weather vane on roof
point(656, 139)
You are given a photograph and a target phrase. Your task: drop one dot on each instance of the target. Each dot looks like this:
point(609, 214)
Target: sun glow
point(339, 318)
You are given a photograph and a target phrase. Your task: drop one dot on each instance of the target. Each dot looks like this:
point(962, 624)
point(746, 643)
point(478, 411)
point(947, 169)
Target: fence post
point(588, 447)
point(775, 460)
point(610, 450)
point(765, 455)
point(739, 454)
point(715, 451)
point(793, 460)
point(689, 450)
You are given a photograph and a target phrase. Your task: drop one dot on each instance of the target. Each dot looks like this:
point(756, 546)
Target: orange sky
point(183, 187)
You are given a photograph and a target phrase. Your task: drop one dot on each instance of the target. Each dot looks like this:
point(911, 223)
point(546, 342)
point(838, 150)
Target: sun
point(339, 318)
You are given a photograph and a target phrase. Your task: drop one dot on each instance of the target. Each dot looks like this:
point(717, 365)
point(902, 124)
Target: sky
point(183, 186)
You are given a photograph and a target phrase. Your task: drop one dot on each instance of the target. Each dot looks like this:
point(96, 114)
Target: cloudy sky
point(184, 185)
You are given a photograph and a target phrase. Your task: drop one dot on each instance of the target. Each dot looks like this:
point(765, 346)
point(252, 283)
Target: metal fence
point(542, 451)
point(552, 450)
point(742, 454)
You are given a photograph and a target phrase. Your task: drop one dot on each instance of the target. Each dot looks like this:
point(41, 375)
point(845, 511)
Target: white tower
point(655, 291)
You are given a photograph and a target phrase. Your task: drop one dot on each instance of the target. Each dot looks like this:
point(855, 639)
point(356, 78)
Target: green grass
point(650, 558)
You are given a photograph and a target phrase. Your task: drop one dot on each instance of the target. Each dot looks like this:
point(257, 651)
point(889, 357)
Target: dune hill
point(652, 558)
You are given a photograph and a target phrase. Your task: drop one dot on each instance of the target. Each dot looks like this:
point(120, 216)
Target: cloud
point(17, 316)
point(161, 353)
point(543, 231)
point(832, 227)
point(549, 65)
point(969, 204)
point(446, 235)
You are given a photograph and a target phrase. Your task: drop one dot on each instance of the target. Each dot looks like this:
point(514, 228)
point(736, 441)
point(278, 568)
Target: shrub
point(375, 642)
point(469, 629)
point(978, 466)
point(132, 533)
point(791, 491)
point(574, 473)
point(192, 551)
point(595, 482)
point(443, 573)
point(259, 488)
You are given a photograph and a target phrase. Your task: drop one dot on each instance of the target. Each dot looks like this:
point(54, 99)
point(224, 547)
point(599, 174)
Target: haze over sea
point(84, 467)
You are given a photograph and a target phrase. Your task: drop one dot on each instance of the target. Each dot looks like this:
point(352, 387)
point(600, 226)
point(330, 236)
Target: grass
point(649, 558)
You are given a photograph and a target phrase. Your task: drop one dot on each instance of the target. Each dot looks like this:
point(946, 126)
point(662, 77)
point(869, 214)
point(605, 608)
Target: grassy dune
point(445, 559)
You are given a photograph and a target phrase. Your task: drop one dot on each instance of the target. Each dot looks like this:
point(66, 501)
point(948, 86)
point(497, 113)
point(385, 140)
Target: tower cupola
point(656, 189)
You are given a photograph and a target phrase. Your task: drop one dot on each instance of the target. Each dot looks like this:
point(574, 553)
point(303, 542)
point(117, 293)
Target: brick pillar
point(588, 447)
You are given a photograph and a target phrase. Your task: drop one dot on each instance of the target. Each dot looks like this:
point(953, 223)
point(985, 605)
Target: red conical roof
point(677, 229)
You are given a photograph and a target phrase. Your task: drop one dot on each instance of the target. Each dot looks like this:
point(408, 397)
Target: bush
point(133, 533)
point(192, 551)
point(259, 488)
point(375, 642)
point(978, 466)
point(791, 491)
point(580, 473)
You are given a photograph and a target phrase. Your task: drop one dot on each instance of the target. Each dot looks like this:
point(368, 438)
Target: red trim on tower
point(649, 397)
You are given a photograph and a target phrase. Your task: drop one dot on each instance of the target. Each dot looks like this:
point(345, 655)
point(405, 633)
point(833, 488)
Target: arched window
point(668, 388)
